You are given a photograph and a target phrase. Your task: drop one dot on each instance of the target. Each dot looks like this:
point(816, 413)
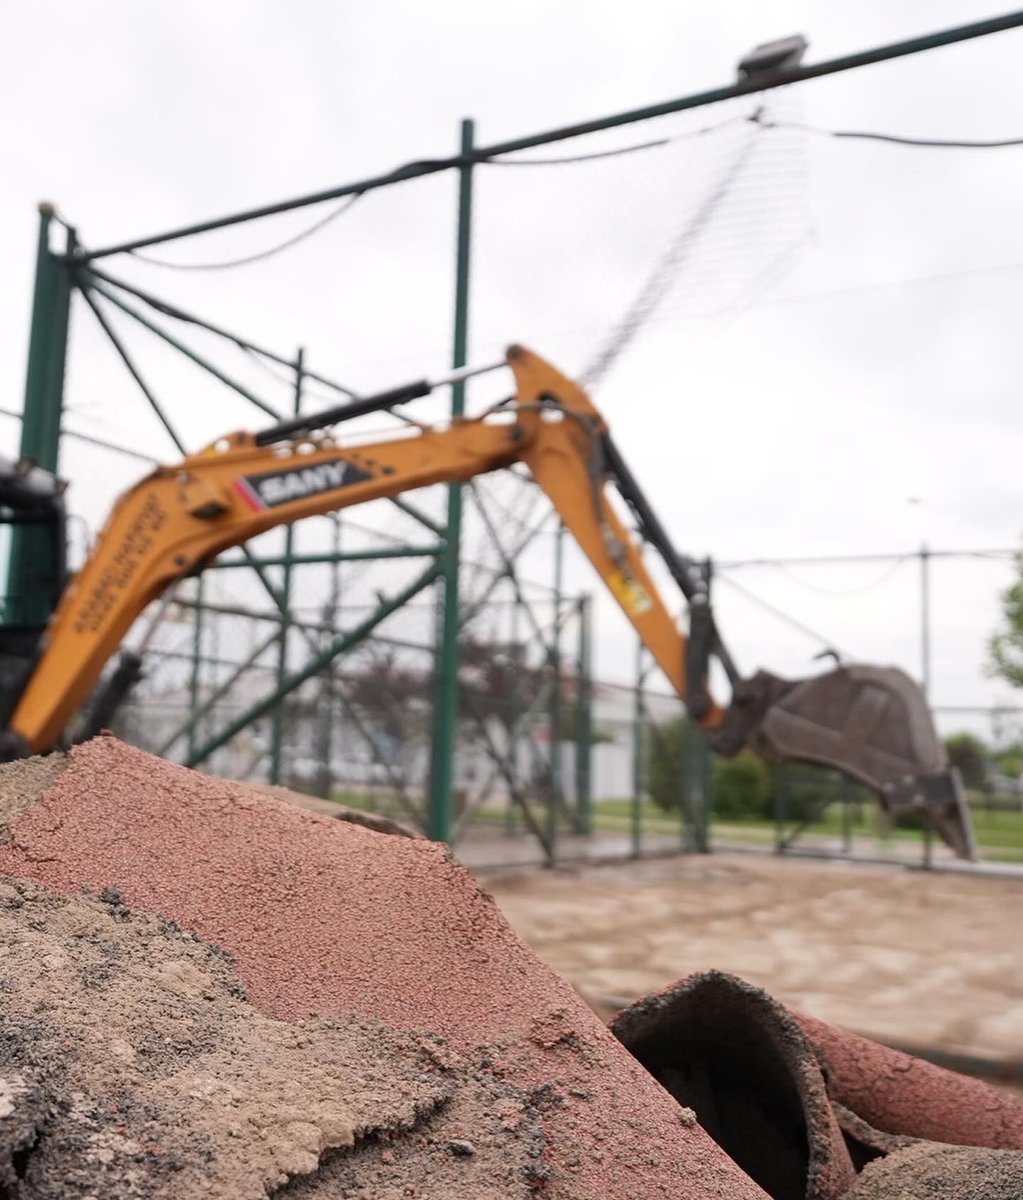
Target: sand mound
point(131, 1065)
point(928, 1171)
point(21, 785)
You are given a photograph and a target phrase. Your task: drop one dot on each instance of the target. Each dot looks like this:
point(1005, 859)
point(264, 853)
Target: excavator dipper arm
point(873, 725)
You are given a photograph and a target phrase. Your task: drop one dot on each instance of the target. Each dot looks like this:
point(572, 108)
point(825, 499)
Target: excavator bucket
point(871, 723)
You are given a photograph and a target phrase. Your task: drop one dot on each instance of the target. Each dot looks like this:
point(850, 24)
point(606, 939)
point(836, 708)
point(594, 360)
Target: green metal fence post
point(194, 677)
point(927, 849)
point(47, 349)
point(44, 398)
point(780, 780)
point(280, 712)
point(518, 650)
point(704, 766)
point(639, 748)
point(556, 715)
point(440, 816)
point(584, 722)
point(707, 776)
point(327, 702)
point(685, 785)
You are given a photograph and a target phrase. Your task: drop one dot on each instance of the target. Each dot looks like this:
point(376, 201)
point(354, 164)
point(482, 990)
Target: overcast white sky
point(844, 341)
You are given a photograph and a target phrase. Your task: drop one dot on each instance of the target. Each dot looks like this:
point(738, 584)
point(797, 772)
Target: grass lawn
point(999, 834)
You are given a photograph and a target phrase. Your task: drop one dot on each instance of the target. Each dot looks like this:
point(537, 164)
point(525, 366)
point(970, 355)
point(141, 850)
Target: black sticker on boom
point(299, 482)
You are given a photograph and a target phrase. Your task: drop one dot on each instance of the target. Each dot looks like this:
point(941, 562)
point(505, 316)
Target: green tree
point(1010, 761)
point(969, 755)
point(570, 726)
point(1005, 646)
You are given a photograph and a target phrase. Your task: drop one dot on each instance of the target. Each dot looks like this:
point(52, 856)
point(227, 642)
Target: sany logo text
point(297, 483)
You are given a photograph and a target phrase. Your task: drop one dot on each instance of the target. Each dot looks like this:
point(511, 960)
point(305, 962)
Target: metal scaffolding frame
point(59, 273)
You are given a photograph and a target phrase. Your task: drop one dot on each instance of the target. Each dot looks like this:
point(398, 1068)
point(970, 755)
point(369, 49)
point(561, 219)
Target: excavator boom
point(872, 723)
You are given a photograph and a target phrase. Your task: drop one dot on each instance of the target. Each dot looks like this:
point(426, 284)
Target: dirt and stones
point(325, 917)
point(927, 1171)
point(486, 1144)
point(131, 1065)
point(908, 957)
point(24, 782)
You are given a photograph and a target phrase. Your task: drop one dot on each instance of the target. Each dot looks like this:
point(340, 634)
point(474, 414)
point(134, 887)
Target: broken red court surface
point(900, 1094)
point(802, 1106)
point(329, 918)
point(731, 1052)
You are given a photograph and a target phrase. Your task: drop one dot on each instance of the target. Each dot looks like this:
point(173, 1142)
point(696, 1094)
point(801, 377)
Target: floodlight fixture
point(781, 55)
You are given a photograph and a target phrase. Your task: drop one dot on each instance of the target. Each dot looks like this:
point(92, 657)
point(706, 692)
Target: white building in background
point(364, 759)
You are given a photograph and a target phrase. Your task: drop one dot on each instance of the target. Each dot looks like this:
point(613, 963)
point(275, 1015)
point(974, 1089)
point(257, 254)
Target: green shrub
point(742, 788)
point(967, 752)
point(746, 787)
point(670, 746)
point(910, 818)
point(810, 790)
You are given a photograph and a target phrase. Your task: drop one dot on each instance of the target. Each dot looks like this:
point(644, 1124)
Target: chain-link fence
point(553, 767)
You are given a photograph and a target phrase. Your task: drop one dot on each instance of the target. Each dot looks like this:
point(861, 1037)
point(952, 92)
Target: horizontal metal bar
point(743, 87)
point(300, 560)
point(766, 82)
point(982, 709)
point(236, 610)
point(411, 171)
point(159, 655)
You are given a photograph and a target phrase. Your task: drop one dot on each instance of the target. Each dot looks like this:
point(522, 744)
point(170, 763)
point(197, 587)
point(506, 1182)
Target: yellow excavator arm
point(178, 519)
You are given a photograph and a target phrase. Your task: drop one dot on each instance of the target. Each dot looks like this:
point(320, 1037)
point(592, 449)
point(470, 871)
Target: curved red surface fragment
point(900, 1094)
point(739, 1058)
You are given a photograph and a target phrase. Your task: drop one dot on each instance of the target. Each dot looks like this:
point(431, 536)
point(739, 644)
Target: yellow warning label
point(629, 593)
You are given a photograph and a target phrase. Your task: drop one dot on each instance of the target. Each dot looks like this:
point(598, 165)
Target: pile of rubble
point(207, 990)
